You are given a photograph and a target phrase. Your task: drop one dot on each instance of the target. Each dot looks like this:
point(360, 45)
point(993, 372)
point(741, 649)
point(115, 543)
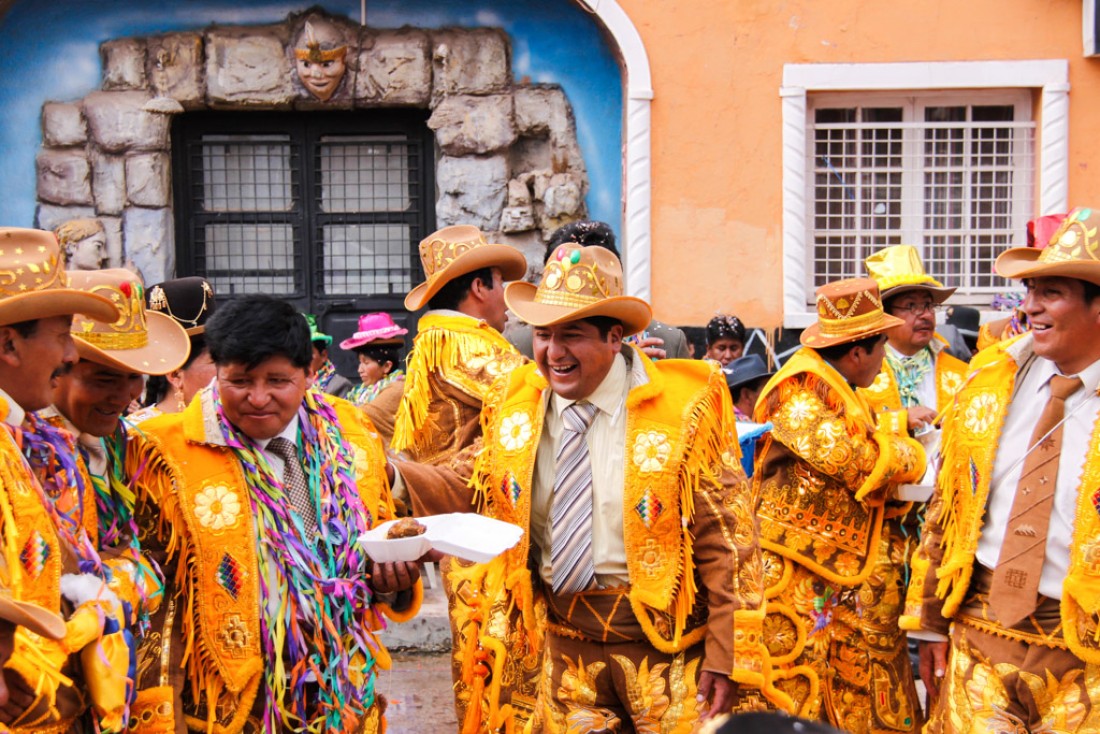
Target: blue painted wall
point(50, 52)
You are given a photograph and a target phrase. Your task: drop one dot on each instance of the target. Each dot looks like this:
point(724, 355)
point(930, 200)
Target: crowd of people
point(184, 484)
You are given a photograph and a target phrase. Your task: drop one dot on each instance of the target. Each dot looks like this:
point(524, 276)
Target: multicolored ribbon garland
point(362, 394)
point(320, 631)
point(909, 373)
point(325, 374)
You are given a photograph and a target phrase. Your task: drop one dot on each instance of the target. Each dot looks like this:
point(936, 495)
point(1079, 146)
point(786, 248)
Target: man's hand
point(386, 578)
point(719, 690)
point(932, 665)
point(651, 347)
point(16, 697)
point(920, 416)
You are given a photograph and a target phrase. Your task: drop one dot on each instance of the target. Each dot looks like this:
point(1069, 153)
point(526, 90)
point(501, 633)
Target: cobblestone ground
point(419, 691)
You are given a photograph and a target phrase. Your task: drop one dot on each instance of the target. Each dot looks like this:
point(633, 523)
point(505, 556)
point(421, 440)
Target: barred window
point(952, 174)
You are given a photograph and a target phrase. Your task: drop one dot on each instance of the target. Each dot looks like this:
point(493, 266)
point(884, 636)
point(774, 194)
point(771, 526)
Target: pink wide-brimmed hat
point(375, 328)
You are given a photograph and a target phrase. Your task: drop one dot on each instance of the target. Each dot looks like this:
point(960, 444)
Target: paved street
point(419, 692)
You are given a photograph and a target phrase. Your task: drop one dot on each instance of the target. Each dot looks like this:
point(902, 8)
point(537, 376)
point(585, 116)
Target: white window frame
point(1050, 76)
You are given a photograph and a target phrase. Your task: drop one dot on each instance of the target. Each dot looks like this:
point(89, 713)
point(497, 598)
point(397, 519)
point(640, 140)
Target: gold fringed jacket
point(883, 394)
point(826, 471)
point(943, 566)
point(692, 554)
point(194, 507)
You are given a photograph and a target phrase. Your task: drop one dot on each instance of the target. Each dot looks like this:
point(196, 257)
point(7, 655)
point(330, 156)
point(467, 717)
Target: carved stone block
point(48, 216)
point(123, 64)
point(517, 218)
point(118, 122)
point(109, 183)
point(112, 228)
point(63, 124)
point(174, 66)
point(518, 193)
point(147, 235)
point(248, 66)
point(395, 68)
point(147, 179)
point(467, 125)
point(472, 190)
point(64, 177)
point(469, 62)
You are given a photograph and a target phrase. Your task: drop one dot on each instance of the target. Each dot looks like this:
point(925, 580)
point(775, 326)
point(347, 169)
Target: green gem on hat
point(316, 335)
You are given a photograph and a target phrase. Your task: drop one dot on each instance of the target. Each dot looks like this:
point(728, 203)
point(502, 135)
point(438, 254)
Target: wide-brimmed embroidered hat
point(34, 284)
point(456, 250)
point(142, 341)
point(37, 619)
point(847, 310)
point(375, 328)
point(1073, 252)
point(190, 301)
point(578, 282)
point(899, 269)
point(744, 370)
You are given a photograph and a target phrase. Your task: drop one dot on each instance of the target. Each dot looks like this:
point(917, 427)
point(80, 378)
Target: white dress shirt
point(1029, 398)
point(605, 438)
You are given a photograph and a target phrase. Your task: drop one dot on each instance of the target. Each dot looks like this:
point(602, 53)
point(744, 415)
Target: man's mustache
point(62, 370)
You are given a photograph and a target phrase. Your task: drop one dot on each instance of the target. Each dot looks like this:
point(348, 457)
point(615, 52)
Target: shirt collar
point(13, 411)
point(290, 433)
point(608, 397)
point(1090, 376)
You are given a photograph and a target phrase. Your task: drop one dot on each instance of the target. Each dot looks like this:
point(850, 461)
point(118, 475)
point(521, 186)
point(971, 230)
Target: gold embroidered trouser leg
point(1011, 686)
point(837, 650)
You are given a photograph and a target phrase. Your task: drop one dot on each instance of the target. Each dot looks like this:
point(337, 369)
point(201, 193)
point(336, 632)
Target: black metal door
point(324, 210)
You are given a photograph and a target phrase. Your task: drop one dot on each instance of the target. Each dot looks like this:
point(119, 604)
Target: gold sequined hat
point(142, 341)
point(33, 282)
point(1073, 252)
point(456, 250)
point(847, 310)
point(899, 269)
point(578, 282)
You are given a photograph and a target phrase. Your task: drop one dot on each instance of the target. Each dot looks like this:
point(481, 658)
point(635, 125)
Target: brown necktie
point(1014, 591)
point(294, 482)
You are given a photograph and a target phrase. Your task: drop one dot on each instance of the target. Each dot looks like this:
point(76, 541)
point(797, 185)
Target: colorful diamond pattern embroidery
point(510, 487)
point(229, 575)
point(649, 508)
point(34, 555)
point(1096, 501)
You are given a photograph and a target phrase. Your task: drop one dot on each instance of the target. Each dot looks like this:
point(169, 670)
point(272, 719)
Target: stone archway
point(508, 159)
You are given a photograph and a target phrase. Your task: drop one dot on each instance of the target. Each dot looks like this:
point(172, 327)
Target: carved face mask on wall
point(321, 58)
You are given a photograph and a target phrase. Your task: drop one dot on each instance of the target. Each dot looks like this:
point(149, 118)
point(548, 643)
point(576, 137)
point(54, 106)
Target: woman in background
point(725, 339)
point(378, 344)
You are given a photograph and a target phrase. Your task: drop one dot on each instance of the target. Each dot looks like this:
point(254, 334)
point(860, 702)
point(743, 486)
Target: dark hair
point(584, 233)
point(453, 292)
point(751, 386)
point(254, 328)
point(381, 353)
point(157, 386)
point(725, 326)
point(603, 324)
point(25, 329)
point(1092, 290)
point(837, 351)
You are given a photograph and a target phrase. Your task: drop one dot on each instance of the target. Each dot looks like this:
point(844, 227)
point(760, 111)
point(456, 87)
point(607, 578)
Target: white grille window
point(953, 175)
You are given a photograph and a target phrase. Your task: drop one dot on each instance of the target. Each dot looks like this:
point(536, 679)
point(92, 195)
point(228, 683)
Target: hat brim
point(353, 343)
point(1023, 262)
point(195, 330)
point(746, 380)
point(512, 264)
point(813, 338)
point(166, 350)
point(56, 302)
point(939, 294)
point(37, 619)
point(634, 313)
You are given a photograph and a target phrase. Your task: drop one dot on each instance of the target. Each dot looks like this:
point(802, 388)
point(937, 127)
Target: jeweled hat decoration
point(578, 282)
point(34, 284)
point(148, 342)
point(375, 328)
point(1073, 251)
point(456, 250)
point(898, 269)
point(848, 310)
point(190, 301)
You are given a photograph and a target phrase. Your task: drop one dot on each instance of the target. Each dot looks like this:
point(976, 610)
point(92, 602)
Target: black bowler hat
point(966, 319)
point(744, 370)
point(190, 301)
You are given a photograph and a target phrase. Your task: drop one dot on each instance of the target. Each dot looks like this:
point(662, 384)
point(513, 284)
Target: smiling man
point(1010, 547)
point(639, 533)
point(256, 494)
point(825, 479)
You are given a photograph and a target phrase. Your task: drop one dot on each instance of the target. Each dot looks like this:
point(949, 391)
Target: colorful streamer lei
point(325, 374)
point(321, 630)
point(362, 394)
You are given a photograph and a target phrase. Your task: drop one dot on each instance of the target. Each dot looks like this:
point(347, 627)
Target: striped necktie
point(571, 515)
point(294, 481)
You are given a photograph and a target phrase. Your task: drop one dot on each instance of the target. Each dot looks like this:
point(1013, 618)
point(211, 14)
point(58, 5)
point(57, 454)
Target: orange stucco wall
point(717, 166)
